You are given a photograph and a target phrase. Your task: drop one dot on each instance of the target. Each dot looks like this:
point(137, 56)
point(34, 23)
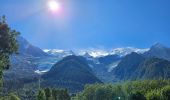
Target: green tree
point(13, 97)
point(166, 93)
point(54, 94)
point(48, 93)
point(137, 96)
point(41, 95)
point(66, 95)
point(154, 95)
point(8, 45)
point(102, 92)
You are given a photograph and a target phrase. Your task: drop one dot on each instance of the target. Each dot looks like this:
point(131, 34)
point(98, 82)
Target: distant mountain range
point(72, 70)
point(59, 53)
point(96, 53)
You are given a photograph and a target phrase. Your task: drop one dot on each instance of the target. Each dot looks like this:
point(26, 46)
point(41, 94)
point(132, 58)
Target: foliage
point(10, 97)
point(145, 86)
point(8, 46)
point(8, 43)
point(13, 97)
point(101, 92)
point(48, 94)
point(166, 93)
point(53, 94)
point(41, 95)
point(154, 95)
point(137, 96)
point(134, 90)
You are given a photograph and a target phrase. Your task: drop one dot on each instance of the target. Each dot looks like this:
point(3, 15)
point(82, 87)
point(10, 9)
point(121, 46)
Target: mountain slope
point(153, 68)
point(23, 65)
point(108, 59)
point(137, 67)
point(158, 50)
point(27, 49)
point(71, 72)
point(127, 66)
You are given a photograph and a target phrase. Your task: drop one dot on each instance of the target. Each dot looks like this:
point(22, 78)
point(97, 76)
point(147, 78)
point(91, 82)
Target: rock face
point(71, 72)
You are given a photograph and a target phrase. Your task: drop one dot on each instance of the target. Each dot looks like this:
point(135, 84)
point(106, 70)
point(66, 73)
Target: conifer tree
point(8, 45)
point(41, 95)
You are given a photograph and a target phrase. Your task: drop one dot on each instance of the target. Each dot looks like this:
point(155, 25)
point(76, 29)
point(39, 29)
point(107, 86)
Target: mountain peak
point(158, 45)
point(87, 55)
point(160, 51)
point(27, 49)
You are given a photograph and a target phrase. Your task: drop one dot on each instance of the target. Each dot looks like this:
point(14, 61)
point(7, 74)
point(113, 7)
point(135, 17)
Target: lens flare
point(53, 5)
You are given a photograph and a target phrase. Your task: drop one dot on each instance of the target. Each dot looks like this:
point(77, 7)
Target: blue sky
point(90, 23)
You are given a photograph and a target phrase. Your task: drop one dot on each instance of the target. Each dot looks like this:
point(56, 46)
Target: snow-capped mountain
point(124, 51)
point(59, 53)
point(95, 53)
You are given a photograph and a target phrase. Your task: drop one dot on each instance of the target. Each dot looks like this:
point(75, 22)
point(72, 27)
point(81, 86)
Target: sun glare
point(53, 5)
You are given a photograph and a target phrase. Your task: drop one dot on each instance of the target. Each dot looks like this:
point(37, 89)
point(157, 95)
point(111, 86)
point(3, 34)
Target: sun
point(53, 5)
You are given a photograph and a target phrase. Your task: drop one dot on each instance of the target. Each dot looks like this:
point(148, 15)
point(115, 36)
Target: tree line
point(134, 90)
point(53, 94)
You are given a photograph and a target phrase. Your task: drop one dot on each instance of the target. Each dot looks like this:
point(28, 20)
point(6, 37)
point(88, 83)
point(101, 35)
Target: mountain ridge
point(155, 64)
point(96, 53)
